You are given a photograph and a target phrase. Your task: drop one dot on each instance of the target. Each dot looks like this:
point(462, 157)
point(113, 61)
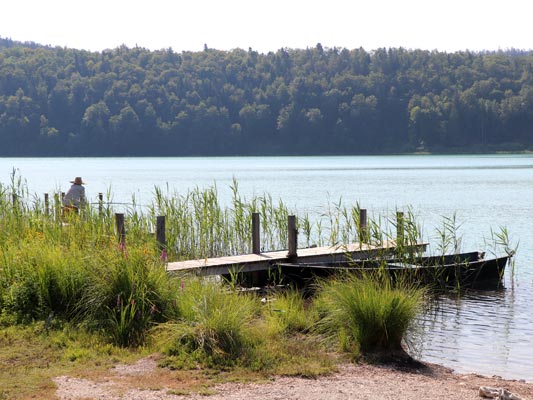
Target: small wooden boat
point(460, 270)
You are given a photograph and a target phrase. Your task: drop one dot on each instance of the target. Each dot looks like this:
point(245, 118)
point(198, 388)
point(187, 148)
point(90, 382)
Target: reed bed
point(198, 226)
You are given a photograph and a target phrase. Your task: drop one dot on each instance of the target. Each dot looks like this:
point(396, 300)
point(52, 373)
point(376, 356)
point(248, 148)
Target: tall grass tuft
point(37, 281)
point(367, 314)
point(211, 325)
point(127, 294)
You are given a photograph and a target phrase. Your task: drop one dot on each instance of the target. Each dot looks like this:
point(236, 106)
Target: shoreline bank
point(360, 381)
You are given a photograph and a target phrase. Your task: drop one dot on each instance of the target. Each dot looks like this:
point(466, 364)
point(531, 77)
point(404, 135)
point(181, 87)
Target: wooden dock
point(264, 261)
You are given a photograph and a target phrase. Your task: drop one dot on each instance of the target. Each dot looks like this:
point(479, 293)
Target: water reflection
point(478, 331)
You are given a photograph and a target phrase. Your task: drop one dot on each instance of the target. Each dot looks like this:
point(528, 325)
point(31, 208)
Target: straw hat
point(78, 181)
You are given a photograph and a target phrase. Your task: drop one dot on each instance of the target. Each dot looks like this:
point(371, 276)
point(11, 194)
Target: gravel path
point(351, 382)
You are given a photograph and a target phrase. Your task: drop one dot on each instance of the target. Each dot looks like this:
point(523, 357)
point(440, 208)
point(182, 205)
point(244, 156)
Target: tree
point(311, 101)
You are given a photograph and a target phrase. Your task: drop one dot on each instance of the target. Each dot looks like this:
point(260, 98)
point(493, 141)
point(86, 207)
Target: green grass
point(286, 313)
point(129, 293)
point(32, 355)
point(211, 325)
point(366, 313)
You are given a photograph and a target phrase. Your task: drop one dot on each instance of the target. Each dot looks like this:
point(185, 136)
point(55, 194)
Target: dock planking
point(266, 260)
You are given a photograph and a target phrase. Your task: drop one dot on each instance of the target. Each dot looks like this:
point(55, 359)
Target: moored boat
point(459, 270)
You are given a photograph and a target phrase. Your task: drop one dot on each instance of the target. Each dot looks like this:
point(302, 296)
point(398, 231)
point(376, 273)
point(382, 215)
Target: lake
point(486, 332)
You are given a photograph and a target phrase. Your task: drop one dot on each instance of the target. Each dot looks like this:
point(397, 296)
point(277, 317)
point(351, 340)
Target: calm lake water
point(487, 332)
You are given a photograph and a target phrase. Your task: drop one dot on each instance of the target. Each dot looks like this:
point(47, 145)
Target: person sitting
point(75, 197)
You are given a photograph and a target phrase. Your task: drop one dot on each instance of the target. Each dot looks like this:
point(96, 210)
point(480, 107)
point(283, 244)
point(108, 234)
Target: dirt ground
point(363, 381)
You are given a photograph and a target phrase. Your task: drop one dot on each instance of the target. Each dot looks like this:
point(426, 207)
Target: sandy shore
point(350, 382)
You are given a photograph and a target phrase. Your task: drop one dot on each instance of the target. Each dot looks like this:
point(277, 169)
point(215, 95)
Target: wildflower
point(122, 248)
point(164, 256)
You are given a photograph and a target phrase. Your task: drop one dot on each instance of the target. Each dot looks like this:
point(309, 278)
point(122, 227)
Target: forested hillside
point(132, 101)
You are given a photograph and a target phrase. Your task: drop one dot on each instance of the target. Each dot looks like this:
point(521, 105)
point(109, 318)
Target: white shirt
point(75, 196)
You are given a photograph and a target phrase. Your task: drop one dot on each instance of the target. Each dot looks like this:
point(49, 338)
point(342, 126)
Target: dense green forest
point(133, 101)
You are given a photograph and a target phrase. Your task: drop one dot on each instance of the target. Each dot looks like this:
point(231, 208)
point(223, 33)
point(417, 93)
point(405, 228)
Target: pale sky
point(445, 25)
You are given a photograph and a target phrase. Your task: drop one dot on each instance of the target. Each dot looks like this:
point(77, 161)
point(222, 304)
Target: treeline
point(132, 101)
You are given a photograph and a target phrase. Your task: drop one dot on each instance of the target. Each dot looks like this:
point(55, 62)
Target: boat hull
point(465, 270)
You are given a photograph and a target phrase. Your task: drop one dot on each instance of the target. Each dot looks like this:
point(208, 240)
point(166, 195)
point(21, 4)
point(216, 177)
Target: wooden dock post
point(46, 204)
point(293, 237)
point(160, 232)
point(363, 226)
point(121, 229)
point(400, 227)
point(100, 204)
point(57, 206)
point(256, 229)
